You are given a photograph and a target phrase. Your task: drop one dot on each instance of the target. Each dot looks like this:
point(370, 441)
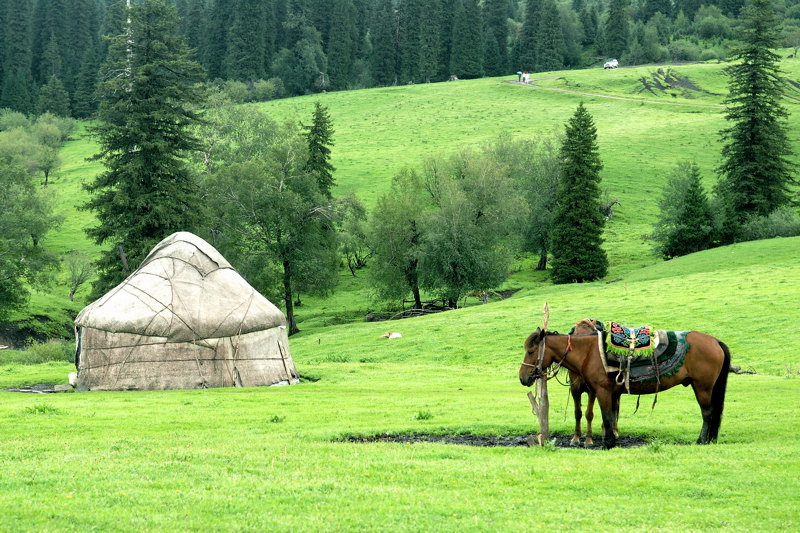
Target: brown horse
point(577, 386)
point(705, 367)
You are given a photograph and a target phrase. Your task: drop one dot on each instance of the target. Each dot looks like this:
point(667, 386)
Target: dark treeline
point(260, 49)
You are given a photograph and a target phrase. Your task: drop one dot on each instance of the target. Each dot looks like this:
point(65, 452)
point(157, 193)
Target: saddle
point(640, 355)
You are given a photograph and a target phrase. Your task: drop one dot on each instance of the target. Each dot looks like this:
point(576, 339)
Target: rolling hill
point(279, 458)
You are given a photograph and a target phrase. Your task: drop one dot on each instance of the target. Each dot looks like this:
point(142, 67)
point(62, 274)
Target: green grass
point(273, 458)
point(216, 459)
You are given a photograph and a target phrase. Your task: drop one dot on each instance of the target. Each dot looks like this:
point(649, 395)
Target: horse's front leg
point(575, 389)
point(604, 397)
point(615, 403)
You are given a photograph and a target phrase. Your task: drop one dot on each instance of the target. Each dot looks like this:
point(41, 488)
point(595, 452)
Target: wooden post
point(541, 402)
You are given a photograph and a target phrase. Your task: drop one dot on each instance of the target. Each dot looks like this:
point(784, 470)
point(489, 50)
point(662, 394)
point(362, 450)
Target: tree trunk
point(413, 282)
point(542, 265)
point(287, 297)
point(417, 298)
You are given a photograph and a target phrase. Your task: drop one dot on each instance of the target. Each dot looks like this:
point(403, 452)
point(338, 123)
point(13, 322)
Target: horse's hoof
point(588, 444)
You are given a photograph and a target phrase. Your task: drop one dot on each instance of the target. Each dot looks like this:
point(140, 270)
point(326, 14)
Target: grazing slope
point(274, 458)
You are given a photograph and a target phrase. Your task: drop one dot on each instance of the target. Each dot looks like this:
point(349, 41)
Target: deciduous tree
point(396, 237)
point(26, 217)
point(269, 211)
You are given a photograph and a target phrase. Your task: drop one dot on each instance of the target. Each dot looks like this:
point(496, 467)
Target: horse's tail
point(718, 393)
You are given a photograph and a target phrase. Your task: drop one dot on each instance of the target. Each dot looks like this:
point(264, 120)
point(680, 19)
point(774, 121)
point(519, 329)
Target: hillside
point(642, 134)
point(282, 458)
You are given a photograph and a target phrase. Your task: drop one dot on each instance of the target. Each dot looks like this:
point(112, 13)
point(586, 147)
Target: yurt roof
point(183, 291)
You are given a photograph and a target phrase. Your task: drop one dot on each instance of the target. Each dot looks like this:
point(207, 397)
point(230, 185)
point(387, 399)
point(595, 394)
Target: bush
point(783, 222)
point(264, 90)
point(713, 27)
point(41, 352)
point(66, 126)
point(683, 50)
point(10, 119)
point(236, 91)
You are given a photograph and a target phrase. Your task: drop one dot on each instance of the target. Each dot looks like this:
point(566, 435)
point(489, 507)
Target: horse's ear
point(533, 338)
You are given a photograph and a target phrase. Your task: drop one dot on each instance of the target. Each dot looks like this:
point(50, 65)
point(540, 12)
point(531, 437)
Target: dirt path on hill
point(535, 85)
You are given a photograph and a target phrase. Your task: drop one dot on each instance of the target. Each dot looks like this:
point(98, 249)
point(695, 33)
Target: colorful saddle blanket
point(667, 357)
point(622, 340)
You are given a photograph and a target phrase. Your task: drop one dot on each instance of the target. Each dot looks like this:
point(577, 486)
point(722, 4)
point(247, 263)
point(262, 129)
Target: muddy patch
point(468, 439)
point(39, 388)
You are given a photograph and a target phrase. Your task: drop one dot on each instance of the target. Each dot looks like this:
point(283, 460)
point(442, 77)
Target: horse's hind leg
point(615, 405)
point(589, 442)
point(575, 389)
point(703, 395)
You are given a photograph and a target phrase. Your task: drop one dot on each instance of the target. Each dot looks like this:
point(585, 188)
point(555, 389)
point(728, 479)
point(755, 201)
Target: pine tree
point(616, 29)
point(53, 98)
point(215, 51)
point(466, 59)
point(651, 7)
point(529, 36)
point(146, 112)
point(320, 138)
point(17, 88)
point(685, 223)
point(384, 45)
point(410, 26)
point(3, 18)
point(447, 11)
point(577, 240)
point(588, 18)
point(550, 46)
point(756, 174)
point(84, 102)
point(429, 42)
point(342, 44)
point(49, 42)
point(246, 44)
point(82, 43)
point(496, 50)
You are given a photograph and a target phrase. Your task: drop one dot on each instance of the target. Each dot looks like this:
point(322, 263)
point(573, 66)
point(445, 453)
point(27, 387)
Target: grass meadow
point(267, 459)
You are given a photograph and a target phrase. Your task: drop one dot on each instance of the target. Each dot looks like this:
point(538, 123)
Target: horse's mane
point(537, 336)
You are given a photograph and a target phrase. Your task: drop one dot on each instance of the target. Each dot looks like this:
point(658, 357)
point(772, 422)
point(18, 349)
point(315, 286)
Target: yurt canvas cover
point(185, 319)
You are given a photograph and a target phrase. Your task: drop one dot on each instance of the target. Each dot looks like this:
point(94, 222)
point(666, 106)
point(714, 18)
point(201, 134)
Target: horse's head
point(531, 367)
point(587, 326)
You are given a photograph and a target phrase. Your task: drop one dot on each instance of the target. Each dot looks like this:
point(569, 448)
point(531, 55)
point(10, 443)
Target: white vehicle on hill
point(611, 63)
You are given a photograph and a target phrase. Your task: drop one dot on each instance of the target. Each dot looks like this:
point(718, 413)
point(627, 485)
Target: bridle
point(537, 368)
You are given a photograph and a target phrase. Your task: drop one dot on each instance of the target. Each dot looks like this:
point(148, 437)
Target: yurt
point(184, 320)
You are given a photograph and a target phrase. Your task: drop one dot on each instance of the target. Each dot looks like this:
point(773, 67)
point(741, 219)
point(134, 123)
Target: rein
point(550, 374)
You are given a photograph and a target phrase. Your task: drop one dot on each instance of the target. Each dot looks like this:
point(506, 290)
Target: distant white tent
point(185, 319)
